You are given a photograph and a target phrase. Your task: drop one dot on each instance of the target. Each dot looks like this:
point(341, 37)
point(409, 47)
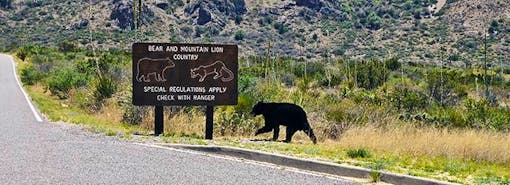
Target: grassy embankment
point(374, 126)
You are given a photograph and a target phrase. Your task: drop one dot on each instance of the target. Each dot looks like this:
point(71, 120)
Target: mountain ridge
point(313, 29)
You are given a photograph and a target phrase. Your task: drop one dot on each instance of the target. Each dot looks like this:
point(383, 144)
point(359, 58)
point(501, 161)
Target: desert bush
point(268, 91)
point(239, 35)
point(370, 74)
point(62, 81)
point(506, 70)
point(30, 76)
point(86, 66)
point(134, 115)
point(67, 46)
point(246, 83)
point(233, 121)
point(280, 27)
point(238, 19)
point(330, 79)
point(446, 117)
point(308, 69)
point(104, 89)
point(479, 114)
point(408, 100)
point(346, 113)
point(392, 63)
point(445, 87)
point(22, 54)
point(359, 153)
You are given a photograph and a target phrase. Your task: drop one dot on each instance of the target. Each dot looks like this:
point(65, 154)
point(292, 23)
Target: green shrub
point(105, 88)
point(30, 75)
point(445, 87)
point(330, 80)
point(67, 46)
point(246, 83)
point(238, 19)
point(280, 27)
point(22, 54)
point(375, 176)
point(62, 81)
point(244, 103)
point(359, 153)
point(134, 115)
point(370, 74)
point(308, 69)
point(481, 115)
point(392, 63)
point(86, 66)
point(408, 100)
point(233, 122)
point(239, 35)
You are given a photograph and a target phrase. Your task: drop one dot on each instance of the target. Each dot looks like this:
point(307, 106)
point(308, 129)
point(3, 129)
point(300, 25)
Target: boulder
point(204, 16)
point(5, 4)
point(122, 14)
point(312, 4)
point(163, 6)
point(81, 25)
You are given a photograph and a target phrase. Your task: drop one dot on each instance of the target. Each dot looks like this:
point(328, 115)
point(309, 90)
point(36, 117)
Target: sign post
point(158, 120)
point(209, 117)
point(166, 74)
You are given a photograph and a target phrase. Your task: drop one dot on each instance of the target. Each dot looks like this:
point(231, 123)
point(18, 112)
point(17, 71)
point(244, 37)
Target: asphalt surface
point(33, 152)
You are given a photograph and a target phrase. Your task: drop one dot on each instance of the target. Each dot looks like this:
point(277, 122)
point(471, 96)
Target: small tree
point(239, 35)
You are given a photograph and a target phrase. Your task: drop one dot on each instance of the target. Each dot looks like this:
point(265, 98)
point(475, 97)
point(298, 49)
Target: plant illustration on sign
point(217, 68)
point(155, 67)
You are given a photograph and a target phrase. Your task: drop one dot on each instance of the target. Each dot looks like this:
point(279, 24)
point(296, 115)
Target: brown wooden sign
point(166, 74)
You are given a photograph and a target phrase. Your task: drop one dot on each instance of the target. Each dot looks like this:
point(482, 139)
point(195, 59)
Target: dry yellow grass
point(432, 142)
point(181, 123)
point(398, 140)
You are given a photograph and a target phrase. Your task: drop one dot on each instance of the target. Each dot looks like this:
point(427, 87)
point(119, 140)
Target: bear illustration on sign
point(217, 68)
point(147, 67)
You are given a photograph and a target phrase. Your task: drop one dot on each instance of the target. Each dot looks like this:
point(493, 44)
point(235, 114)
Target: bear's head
point(258, 109)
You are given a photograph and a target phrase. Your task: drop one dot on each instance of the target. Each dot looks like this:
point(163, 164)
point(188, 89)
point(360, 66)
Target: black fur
point(287, 114)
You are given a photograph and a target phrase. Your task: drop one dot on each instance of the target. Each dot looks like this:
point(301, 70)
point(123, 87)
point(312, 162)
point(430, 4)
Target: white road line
point(257, 163)
point(36, 115)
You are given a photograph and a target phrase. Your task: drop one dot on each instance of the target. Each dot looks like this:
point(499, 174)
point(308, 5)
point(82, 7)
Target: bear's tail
point(310, 134)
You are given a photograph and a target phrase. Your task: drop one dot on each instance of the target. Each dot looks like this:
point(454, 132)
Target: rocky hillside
point(416, 30)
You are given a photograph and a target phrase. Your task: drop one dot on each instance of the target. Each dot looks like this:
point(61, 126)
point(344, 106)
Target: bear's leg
point(310, 134)
point(146, 78)
point(163, 78)
point(290, 133)
point(276, 133)
point(159, 77)
point(263, 130)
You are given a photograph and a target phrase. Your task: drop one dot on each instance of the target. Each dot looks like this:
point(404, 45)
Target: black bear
point(287, 114)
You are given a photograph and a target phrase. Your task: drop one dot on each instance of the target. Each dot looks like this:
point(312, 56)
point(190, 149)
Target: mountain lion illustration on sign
point(155, 67)
point(217, 68)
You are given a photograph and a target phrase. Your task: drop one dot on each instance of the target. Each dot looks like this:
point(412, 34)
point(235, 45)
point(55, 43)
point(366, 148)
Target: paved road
point(33, 152)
